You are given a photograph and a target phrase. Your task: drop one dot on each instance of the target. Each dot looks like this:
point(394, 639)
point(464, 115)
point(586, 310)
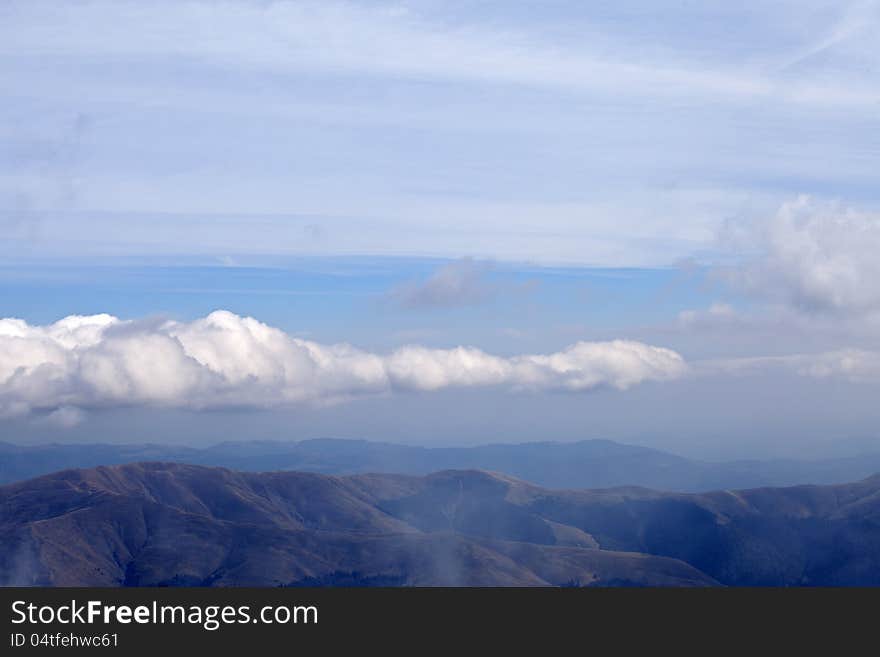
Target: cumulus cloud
point(226, 360)
point(819, 257)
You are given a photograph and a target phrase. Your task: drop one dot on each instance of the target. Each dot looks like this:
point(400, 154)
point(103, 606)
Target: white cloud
point(817, 257)
point(227, 360)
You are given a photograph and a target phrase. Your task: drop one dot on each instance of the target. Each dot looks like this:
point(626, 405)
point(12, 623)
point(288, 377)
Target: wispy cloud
point(460, 283)
point(573, 135)
point(341, 36)
point(857, 19)
point(854, 365)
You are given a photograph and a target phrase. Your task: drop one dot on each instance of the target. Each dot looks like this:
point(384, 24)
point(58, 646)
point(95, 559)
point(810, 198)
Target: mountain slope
point(172, 524)
point(156, 523)
point(805, 535)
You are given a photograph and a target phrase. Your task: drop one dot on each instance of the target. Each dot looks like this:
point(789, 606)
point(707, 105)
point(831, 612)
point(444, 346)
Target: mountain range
point(171, 524)
point(585, 464)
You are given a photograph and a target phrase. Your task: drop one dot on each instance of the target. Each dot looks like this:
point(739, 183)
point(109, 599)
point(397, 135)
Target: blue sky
point(515, 177)
point(506, 305)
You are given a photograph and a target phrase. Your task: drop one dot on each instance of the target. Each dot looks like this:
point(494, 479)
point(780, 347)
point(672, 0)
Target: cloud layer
point(224, 360)
point(454, 128)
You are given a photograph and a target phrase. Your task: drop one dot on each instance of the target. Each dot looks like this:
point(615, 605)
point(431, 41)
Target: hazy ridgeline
point(586, 464)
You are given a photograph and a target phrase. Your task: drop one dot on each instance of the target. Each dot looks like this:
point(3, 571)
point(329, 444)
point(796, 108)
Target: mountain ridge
point(593, 463)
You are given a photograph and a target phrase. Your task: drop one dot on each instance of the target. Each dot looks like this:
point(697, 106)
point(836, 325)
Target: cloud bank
point(224, 360)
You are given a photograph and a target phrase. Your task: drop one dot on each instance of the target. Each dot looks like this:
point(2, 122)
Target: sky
point(442, 222)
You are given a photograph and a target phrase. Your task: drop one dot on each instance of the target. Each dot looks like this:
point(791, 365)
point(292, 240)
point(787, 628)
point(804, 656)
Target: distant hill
point(586, 464)
point(174, 524)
